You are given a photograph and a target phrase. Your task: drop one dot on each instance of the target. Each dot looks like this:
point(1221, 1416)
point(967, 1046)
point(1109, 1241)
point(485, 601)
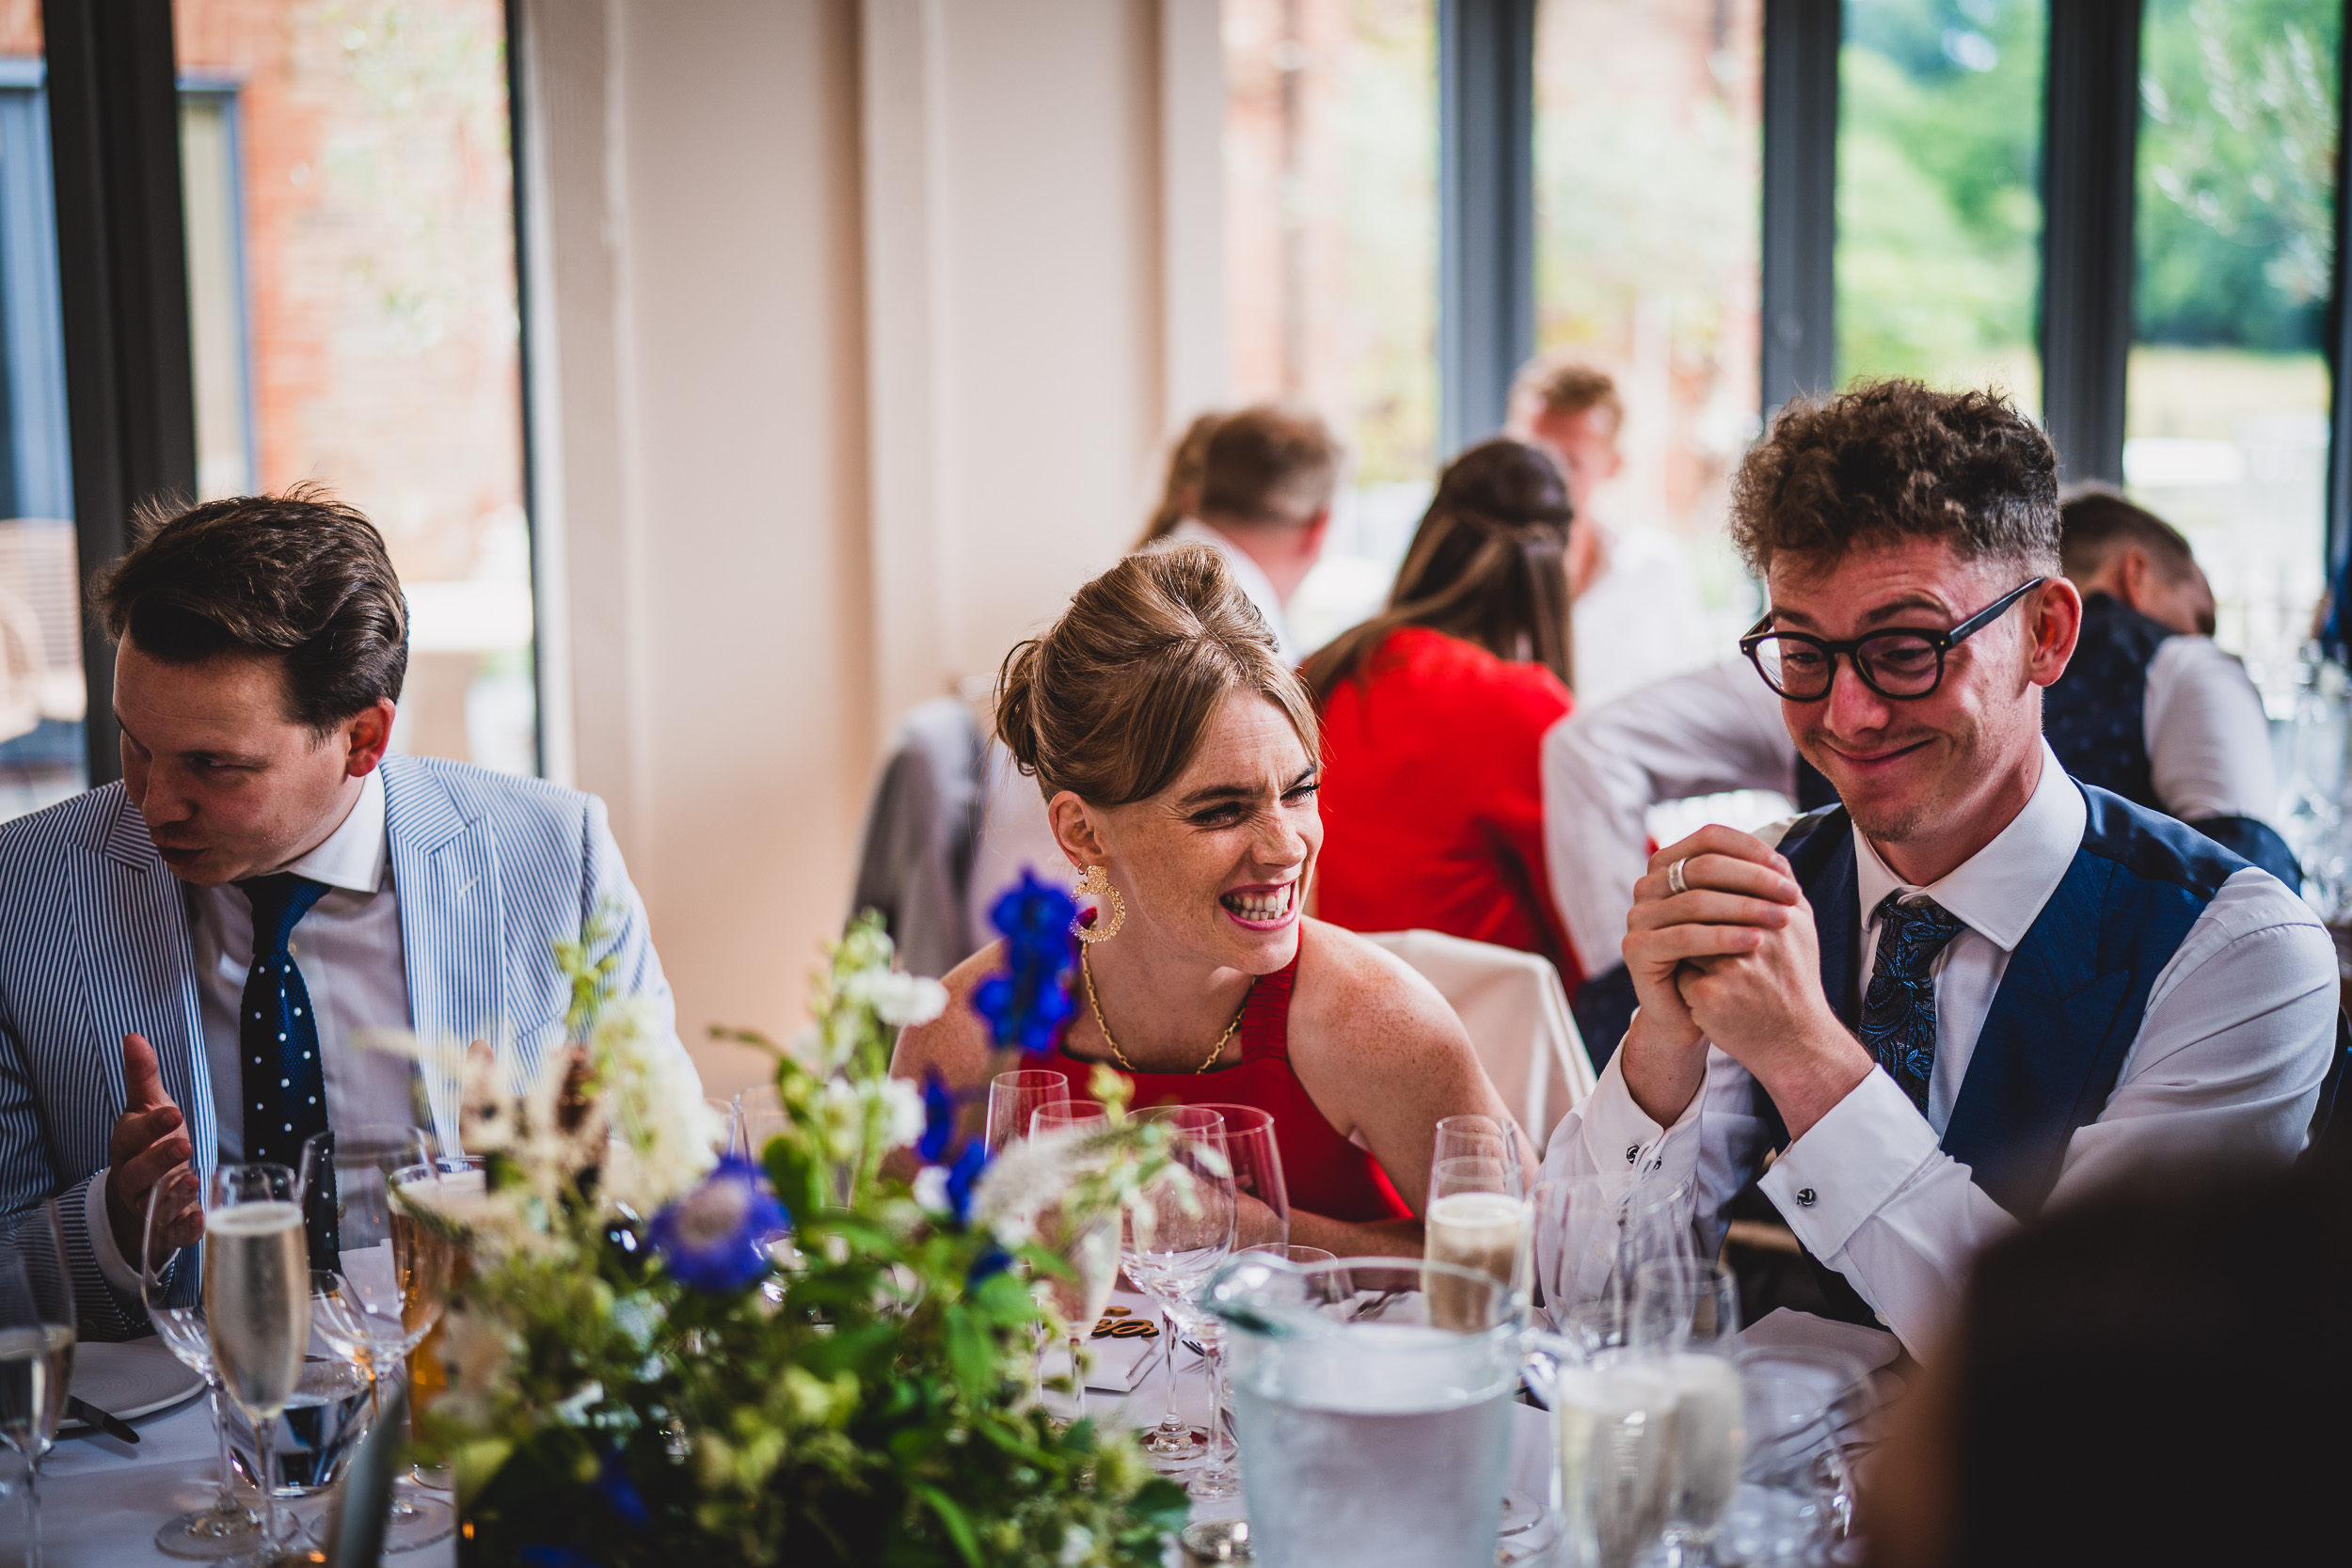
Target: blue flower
point(716, 1237)
point(994, 1261)
point(1027, 1002)
point(939, 1116)
point(964, 1176)
point(614, 1485)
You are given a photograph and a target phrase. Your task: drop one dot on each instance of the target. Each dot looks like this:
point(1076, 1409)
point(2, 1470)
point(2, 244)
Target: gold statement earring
point(1096, 883)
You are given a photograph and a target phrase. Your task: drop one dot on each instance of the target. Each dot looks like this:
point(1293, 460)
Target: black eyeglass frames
point(1899, 662)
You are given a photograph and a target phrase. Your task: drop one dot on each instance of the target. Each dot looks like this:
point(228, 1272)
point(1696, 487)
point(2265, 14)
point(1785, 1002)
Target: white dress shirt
point(1721, 729)
point(1252, 577)
point(2230, 1049)
point(348, 949)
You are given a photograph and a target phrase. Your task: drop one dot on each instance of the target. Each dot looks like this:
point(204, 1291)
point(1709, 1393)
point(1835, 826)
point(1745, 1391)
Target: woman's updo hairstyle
point(1112, 702)
point(1489, 564)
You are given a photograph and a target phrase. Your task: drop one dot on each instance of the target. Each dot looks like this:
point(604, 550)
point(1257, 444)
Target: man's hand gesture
point(149, 1144)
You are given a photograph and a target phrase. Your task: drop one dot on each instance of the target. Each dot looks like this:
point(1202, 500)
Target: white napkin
point(1783, 1329)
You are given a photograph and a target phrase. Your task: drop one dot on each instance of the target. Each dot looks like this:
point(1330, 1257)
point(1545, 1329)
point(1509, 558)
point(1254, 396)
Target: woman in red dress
point(1434, 715)
point(1178, 757)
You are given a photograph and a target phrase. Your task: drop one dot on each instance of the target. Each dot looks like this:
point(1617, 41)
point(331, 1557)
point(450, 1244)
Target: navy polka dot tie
point(285, 1084)
point(1898, 1009)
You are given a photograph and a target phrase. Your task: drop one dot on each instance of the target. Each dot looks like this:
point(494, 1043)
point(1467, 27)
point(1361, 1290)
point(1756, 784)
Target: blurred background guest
point(1178, 757)
point(1434, 713)
point(2148, 708)
point(1179, 491)
point(1638, 617)
point(1261, 499)
point(2149, 1376)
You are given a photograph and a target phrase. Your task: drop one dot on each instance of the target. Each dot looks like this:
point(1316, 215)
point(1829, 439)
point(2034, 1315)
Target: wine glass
point(227, 1527)
point(1189, 1234)
point(394, 1280)
point(1014, 1097)
point(727, 1120)
point(1686, 1313)
point(1094, 1252)
point(37, 1328)
point(1476, 1137)
point(257, 1309)
point(1261, 1218)
point(1174, 1440)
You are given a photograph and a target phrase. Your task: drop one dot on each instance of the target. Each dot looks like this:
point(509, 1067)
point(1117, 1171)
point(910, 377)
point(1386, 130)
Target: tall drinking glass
point(1475, 1219)
point(1686, 1315)
point(227, 1527)
point(1013, 1098)
point(395, 1281)
point(37, 1327)
point(1091, 1252)
point(1262, 1219)
point(256, 1307)
point(1476, 1137)
point(1170, 1259)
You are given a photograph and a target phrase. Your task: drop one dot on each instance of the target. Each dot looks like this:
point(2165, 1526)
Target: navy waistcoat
point(2071, 1001)
point(2096, 715)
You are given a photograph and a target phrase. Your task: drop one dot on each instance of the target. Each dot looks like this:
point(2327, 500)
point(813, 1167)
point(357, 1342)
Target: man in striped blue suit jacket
point(191, 959)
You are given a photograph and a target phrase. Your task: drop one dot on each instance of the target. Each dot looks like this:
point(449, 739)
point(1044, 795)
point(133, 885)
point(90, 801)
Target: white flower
point(901, 1000)
point(664, 1137)
point(931, 1190)
point(842, 1116)
point(1027, 1178)
point(901, 1107)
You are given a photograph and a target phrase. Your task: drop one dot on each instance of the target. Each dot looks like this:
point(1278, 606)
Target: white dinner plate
point(136, 1378)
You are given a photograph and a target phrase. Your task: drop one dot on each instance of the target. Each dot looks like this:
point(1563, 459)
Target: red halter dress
point(1326, 1175)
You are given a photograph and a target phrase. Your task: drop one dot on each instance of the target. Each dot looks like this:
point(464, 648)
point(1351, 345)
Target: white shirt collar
point(1999, 890)
point(1248, 574)
point(355, 854)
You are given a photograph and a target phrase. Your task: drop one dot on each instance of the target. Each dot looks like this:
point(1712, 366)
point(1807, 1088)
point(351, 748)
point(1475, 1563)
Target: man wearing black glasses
point(1974, 984)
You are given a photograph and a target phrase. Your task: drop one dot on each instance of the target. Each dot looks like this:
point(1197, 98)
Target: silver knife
point(113, 1426)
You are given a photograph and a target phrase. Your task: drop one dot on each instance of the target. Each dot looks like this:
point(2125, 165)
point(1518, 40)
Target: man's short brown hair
point(1568, 387)
point(299, 577)
point(2095, 522)
point(1893, 460)
point(1269, 466)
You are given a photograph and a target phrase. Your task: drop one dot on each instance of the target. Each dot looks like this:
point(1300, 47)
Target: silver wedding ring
point(1674, 878)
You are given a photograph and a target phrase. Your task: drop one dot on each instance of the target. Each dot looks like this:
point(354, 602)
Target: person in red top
point(1433, 714)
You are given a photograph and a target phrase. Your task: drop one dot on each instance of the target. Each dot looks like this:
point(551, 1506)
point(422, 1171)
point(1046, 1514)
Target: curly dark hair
point(1887, 460)
point(300, 578)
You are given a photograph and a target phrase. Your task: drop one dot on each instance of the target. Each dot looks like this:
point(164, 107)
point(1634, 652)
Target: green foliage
point(863, 1404)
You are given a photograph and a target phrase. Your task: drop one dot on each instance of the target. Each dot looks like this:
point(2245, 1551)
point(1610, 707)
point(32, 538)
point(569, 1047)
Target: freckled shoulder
point(956, 1042)
point(1353, 994)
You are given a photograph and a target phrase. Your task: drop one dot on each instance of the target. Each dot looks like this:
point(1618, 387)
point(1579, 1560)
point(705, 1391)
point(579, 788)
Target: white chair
point(1518, 1017)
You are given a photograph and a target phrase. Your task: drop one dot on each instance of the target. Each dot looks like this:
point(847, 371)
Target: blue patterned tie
point(1898, 1009)
point(285, 1082)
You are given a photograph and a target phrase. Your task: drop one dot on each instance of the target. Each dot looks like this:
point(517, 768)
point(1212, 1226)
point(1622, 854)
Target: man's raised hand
point(149, 1144)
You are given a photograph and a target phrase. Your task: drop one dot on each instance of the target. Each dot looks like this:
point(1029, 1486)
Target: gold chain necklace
point(1120, 1056)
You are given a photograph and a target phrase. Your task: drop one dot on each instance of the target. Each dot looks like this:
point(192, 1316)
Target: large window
point(1648, 147)
point(2227, 409)
point(1331, 244)
point(1939, 210)
point(349, 200)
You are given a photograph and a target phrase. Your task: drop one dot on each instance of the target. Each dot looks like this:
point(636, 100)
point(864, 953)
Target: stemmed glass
point(227, 1527)
point(1262, 1219)
point(1686, 1313)
point(394, 1280)
point(1092, 1252)
point(37, 1328)
point(257, 1309)
point(1014, 1099)
point(1189, 1233)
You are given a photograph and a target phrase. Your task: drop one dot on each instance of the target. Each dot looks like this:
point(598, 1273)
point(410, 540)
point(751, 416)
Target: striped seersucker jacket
point(95, 944)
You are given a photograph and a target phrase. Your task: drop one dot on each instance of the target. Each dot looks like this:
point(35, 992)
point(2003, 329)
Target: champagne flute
point(257, 1308)
point(1262, 1211)
point(1478, 1220)
point(1685, 1314)
point(1476, 1137)
point(37, 1329)
point(227, 1527)
point(1190, 1234)
point(1174, 1440)
point(1093, 1253)
point(394, 1282)
point(1014, 1097)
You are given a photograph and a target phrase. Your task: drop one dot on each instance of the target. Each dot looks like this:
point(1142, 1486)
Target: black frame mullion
point(1485, 211)
point(517, 83)
point(2339, 497)
point(114, 118)
point(1798, 354)
point(2090, 174)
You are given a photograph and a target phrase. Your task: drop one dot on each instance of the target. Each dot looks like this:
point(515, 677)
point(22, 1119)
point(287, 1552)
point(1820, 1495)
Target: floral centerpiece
point(662, 1353)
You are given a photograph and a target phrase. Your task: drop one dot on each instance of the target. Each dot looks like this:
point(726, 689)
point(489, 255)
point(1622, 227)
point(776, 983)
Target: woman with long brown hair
point(1434, 713)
